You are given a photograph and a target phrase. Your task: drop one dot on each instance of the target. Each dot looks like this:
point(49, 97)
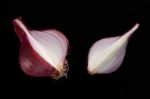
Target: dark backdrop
point(83, 24)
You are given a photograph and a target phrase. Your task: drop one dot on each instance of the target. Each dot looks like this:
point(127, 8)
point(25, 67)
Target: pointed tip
point(17, 20)
point(20, 28)
point(132, 30)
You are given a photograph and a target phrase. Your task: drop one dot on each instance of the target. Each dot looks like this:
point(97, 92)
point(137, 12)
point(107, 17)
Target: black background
point(83, 24)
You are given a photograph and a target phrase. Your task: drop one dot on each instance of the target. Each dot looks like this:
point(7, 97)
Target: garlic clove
point(42, 53)
point(106, 55)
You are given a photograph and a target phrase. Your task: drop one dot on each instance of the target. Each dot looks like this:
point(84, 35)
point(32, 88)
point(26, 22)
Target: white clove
point(107, 54)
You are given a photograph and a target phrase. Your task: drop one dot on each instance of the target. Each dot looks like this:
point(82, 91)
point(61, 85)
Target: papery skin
point(106, 55)
point(31, 61)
